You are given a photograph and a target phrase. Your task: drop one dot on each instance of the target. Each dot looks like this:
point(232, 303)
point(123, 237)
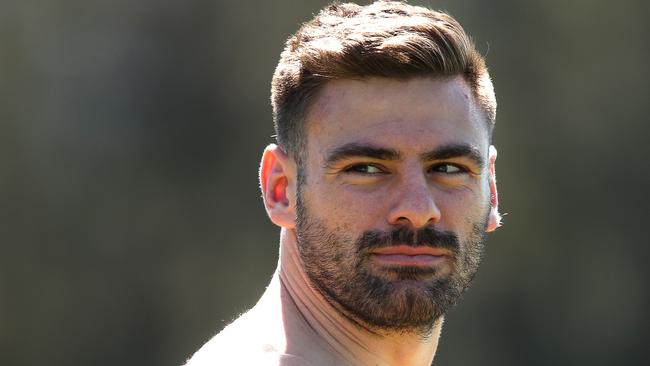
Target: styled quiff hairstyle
point(384, 39)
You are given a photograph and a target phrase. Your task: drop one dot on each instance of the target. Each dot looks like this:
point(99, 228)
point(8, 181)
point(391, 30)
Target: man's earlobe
point(277, 181)
point(494, 219)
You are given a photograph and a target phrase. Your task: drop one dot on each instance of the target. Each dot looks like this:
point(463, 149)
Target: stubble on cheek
point(342, 272)
point(397, 299)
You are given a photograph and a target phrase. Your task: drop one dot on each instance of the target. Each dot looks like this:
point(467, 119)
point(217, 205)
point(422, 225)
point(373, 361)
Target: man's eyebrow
point(361, 150)
point(455, 151)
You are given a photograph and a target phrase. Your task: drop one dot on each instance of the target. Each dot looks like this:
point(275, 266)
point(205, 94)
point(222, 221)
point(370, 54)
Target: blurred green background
point(131, 228)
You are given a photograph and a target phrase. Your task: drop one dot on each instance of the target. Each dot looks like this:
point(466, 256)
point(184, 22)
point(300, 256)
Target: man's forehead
point(350, 95)
point(395, 112)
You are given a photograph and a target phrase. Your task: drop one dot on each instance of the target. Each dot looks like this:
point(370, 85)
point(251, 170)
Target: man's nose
point(414, 204)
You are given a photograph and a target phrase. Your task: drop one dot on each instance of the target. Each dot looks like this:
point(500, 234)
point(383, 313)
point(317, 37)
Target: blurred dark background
point(131, 228)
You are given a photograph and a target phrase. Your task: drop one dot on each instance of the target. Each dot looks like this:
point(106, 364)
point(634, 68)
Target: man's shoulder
point(241, 344)
point(244, 358)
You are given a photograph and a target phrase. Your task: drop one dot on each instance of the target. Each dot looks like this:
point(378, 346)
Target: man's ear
point(494, 219)
point(278, 184)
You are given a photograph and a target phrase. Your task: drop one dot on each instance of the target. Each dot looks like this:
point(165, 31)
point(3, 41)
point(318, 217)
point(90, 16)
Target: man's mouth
point(405, 255)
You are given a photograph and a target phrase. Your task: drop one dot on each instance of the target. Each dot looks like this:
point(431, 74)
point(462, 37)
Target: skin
point(293, 323)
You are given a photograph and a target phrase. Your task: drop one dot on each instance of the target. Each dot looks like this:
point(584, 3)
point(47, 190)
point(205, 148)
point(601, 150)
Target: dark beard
point(399, 299)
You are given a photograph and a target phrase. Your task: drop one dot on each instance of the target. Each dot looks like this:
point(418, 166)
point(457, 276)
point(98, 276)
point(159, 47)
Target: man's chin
point(406, 303)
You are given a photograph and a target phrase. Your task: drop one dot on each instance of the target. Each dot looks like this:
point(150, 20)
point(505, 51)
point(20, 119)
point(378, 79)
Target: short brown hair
point(384, 39)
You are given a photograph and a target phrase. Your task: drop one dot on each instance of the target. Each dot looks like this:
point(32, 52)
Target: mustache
point(426, 236)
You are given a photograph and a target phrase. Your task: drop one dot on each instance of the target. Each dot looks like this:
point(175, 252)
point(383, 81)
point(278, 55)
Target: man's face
point(394, 198)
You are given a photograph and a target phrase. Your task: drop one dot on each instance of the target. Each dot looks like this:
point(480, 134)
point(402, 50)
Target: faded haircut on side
point(384, 39)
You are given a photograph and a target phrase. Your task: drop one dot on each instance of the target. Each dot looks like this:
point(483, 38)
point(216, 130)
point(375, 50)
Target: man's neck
point(314, 329)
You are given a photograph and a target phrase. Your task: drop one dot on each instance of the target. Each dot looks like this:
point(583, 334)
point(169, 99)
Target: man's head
point(385, 113)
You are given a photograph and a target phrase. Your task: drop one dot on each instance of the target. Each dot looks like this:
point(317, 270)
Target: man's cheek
point(461, 200)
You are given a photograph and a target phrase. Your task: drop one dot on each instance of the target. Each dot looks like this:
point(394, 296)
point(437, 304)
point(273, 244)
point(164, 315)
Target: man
point(383, 185)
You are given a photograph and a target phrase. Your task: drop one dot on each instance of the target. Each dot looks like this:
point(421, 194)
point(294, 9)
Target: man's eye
point(364, 169)
point(446, 168)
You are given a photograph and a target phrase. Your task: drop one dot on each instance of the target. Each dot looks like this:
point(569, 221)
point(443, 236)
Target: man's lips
point(404, 255)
